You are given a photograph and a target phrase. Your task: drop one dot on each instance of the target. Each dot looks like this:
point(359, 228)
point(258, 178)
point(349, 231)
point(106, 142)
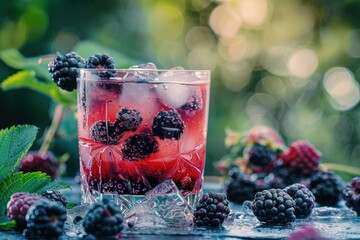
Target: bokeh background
point(290, 65)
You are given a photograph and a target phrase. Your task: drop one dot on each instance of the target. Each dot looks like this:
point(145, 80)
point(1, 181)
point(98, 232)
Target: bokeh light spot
point(302, 63)
point(254, 13)
point(232, 49)
point(340, 85)
point(224, 21)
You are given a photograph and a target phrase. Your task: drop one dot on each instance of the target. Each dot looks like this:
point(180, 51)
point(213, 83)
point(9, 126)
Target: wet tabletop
point(333, 223)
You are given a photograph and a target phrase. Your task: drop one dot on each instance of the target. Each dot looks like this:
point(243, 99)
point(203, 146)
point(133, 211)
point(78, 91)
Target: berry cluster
point(266, 163)
point(274, 206)
point(103, 220)
point(65, 69)
point(351, 195)
point(212, 210)
point(34, 162)
point(166, 124)
point(38, 215)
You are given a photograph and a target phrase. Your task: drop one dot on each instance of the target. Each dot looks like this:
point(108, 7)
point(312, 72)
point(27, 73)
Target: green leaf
point(34, 182)
point(14, 144)
point(8, 225)
point(88, 48)
point(13, 58)
point(26, 79)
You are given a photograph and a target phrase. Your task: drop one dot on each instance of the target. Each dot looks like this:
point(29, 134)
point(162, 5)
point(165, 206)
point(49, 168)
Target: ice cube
point(141, 215)
point(166, 200)
point(331, 212)
point(247, 208)
point(173, 91)
point(152, 74)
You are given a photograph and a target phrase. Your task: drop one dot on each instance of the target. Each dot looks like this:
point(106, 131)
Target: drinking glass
point(140, 127)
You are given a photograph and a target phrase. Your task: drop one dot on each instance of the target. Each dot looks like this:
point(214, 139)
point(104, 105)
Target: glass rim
point(147, 70)
point(196, 77)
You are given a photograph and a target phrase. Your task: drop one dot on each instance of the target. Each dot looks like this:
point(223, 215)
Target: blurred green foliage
point(291, 65)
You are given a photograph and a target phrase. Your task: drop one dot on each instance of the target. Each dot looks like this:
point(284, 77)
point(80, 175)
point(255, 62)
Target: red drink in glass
point(140, 128)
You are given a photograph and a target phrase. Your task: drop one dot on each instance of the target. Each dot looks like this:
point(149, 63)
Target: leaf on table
point(8, 225)
point(88, 48)
point(14, 144)
point(34, 182)
point(27, 79)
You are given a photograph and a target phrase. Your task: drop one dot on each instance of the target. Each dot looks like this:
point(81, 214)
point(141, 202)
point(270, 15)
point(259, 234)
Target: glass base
point(125, 202)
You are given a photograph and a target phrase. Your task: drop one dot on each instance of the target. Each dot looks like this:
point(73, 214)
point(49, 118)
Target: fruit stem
point(342, 168)
point(50, 134)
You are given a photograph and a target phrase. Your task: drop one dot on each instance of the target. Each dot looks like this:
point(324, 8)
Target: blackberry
point(18, 206)
point(302, 159)
point(36, 162)
point(118, 186)
point(102, 61)
point(103, 220)
point(105, 132)
point(128, 120)
point(212, 210)
point(168, 124)
point(55, 196)
point(327, 188)
point(304, 199)
point(274, 206)
point(240, 188)
point(64, 70)
point(45, 220)
point(351, 195)
point(139, 146)
point(260, 155)
point(193, 104)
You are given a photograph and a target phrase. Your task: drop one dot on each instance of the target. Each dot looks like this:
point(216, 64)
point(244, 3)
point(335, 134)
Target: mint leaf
point(14, 143)
point(34, 182)
point(26, 79)
point(88, 48)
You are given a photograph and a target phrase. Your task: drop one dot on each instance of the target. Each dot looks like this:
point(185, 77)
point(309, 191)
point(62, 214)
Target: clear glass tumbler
point(139, 127)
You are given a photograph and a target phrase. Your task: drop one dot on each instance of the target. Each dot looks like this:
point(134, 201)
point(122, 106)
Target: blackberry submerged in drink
point(139, 128)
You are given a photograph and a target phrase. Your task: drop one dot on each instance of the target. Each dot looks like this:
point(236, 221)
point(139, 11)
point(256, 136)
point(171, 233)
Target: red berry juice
point(134, 133)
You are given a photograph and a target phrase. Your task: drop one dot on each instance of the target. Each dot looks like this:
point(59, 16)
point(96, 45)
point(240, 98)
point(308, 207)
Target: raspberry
point(304, 199)
point(103, 220)
point(105, 132)
point(168, 124)
point(35, 162)
point(18, 206)
point(351, 195)
point(327, 188)
point(139, 146)
point(306, 233)
point(240, 188)
point(45, 220)
point(212, 210)
point(274, 206)
point(55, 196)
point(193, 104)
point(102, 61)
point(128, 120)
point(302, 159)
point(64, 70)
point(260, 155)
